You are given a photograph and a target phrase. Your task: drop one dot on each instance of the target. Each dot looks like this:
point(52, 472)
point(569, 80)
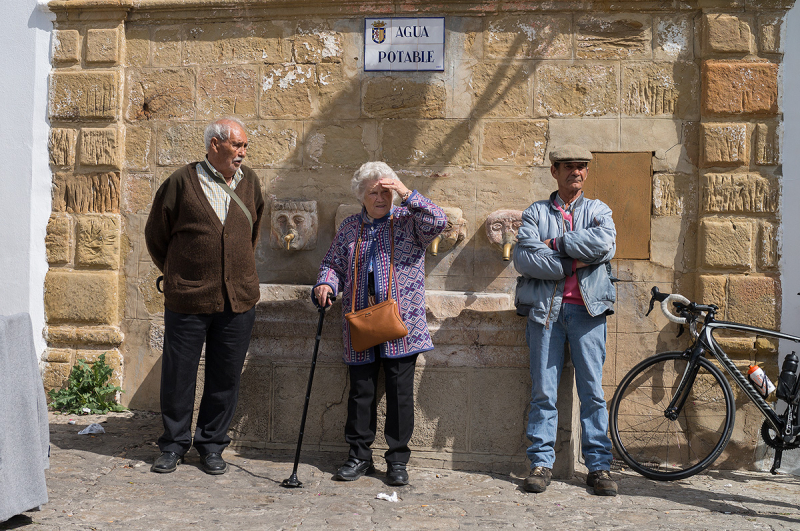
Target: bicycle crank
point(774, 440)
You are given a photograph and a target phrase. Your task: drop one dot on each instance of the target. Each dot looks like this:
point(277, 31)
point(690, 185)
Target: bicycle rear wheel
point(656, 446)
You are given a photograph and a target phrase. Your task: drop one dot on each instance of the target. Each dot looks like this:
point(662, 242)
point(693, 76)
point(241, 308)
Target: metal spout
point(435, 245)
point(288, 239)
point(507, 251)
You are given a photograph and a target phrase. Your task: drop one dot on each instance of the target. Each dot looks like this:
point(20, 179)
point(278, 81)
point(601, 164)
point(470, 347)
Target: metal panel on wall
point(624, 182)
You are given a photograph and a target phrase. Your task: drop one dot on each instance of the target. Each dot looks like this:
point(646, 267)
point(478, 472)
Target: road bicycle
point(673, 414)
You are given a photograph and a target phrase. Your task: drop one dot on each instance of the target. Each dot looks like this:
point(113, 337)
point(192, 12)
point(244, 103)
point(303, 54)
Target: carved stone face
point(502, 226)
point(297, 219)
point(455, 231)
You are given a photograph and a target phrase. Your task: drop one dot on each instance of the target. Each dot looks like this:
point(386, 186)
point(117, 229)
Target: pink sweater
point(572, 292)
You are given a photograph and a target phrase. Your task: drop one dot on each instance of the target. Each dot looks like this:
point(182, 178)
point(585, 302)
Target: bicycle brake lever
point(652, 303)
point(680, 330)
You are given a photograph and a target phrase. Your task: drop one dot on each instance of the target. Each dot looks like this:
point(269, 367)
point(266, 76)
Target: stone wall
point(134, 83)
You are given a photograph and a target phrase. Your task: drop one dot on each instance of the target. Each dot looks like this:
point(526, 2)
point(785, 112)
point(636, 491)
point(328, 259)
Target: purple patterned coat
point(416, 222)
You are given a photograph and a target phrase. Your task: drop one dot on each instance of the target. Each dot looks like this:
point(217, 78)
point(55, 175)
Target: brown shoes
point(538, 479)
point(601, 482)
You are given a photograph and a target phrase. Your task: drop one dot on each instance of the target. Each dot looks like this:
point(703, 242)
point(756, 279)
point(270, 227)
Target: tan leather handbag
point(380, 322)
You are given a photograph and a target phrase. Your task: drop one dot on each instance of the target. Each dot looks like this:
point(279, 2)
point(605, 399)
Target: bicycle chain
point(776, 442)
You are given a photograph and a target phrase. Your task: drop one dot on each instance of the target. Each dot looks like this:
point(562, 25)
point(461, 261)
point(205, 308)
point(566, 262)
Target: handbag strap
point(358, 252)
point(229, 191)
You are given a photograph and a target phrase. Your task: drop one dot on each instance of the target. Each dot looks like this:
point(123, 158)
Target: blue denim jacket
point(540, 286)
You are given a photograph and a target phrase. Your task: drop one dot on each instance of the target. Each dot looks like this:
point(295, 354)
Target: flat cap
point(569, 153)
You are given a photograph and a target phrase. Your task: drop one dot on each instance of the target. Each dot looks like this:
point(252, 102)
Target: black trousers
point(227, 336)
point(362, 407)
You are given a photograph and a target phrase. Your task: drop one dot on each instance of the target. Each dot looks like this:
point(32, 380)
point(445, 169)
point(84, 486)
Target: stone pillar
point(82, 293)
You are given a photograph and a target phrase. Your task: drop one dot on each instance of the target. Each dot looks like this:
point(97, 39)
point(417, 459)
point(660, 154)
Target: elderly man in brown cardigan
point(201, 233)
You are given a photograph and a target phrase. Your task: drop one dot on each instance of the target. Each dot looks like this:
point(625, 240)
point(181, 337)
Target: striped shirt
point(216, 195)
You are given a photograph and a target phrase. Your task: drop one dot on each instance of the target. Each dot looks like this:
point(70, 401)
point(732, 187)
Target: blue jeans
point(587, 340)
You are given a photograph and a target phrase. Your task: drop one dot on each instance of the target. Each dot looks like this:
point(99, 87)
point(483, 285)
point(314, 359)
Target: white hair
point(221, 130)
point(371, 171)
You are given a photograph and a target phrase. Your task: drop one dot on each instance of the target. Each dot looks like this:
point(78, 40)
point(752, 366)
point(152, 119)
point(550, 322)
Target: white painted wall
point(25, 177)
point(790, 213)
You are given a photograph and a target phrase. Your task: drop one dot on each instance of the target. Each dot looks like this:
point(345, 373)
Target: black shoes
point(538, 479)
point(167, 462)
point(396, 474)
point(354, 469)
point(213, 464)
point(601, 482)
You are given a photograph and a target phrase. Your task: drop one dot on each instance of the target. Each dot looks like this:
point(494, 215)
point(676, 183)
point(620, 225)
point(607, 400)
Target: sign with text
point(409, 44)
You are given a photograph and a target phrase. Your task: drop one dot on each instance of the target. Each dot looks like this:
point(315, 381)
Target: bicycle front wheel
point(648, 439)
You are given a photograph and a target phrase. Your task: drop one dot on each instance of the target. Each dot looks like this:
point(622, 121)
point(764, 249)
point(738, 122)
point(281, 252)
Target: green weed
point(87, 388)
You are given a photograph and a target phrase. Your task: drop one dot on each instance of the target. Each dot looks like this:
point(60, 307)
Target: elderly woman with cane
point(377, 262)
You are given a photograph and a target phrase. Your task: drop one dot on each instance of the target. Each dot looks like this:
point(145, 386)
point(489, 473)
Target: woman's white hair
point(371, 171)
point(221, 130)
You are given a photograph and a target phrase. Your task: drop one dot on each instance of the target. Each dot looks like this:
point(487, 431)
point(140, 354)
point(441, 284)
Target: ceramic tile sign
point(404, 44)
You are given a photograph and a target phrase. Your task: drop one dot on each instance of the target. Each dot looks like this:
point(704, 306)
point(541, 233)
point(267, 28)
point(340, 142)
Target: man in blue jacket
point(564, 247)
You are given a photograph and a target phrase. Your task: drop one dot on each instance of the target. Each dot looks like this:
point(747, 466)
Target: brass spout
point(507, 251)
point(435, 245)
point(288, 239)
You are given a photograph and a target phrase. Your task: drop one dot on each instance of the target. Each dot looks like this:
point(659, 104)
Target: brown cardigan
point(202, 260)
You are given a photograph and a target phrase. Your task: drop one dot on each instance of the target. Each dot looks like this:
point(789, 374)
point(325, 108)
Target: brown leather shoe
point(538, 479)
point(601, 482)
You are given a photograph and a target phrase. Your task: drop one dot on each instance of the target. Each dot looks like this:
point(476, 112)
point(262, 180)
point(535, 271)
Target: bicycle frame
point(705, 342)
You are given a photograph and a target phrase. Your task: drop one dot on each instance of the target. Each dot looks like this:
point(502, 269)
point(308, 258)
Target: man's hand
point(322, 292)
point(548, 242)
point(579, 264)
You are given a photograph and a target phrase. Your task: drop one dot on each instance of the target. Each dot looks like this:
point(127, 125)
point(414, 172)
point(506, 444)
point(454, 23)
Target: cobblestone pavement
point(104, 482)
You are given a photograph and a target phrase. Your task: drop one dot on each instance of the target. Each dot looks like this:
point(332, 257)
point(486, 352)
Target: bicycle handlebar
point(674, 297)
point(681, 303)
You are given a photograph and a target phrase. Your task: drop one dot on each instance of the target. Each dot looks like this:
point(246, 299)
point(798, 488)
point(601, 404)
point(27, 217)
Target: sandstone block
point(528, 36)
point(338, 93)
point(318, 47)
point(88, 335)
point(625, 36)
point(102, 46)
point(726, 243)
point(726, 33)
point(274, 144)
point(712, 289)
point(137, 45)
point(167, 46)
point(396, 97)
point(438, 394)
point(768, 144)
point(671, 238)
point(227, 91)
point(500, 396)
point(767, 245)
point(59, 355)
point(519, 143)
point(286, 90)
point(674, 194)
point(180, 143)
point(66, 46)
point(576, 90)
point(739, 192)
point(654, 89)
point(138, 140)
point(725, 144)
point(55, 375)
point(160, 94)
point(81, 296)
point(97, 241)
point(771, 33)
point(501, 89)
point(152, 299)
point(99, 147)
point(754, 300)
point(137, 192)
point(674, 37)
point(442, 142)
point(62, 147)
point(740, 88)
point(58, 239)
point(250, 41)
point(340, 143)
point(251, 421)
point(93, 192)
point(83, 95)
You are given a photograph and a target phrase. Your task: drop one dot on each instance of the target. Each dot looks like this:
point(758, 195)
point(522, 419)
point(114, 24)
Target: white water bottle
point(760, 380)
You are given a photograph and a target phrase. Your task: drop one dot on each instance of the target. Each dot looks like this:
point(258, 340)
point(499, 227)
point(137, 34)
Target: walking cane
point(292, 482)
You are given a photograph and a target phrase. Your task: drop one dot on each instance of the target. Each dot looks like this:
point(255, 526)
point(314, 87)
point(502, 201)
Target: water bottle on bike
point(788, 378)
point(760, 380)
